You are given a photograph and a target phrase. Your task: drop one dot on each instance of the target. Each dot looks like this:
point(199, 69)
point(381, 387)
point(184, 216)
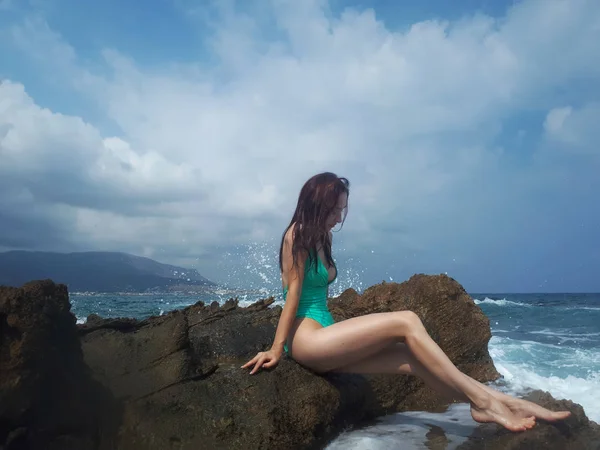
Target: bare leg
point(398, 359)
point(347, 343)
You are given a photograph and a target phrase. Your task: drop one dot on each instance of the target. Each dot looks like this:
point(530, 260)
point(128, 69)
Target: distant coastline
point(93, 272)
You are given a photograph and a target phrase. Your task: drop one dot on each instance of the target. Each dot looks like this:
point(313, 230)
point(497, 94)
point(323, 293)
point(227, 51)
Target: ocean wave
point(543, 353)
point(562, 332)
point(541, 304)
point(565, 372)
point(414, 429)
point(582, 390)
point(565, 336)
point(501, 302)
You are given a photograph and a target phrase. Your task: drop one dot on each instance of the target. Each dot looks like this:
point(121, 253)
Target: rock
point(180, 381)
point(577, 432)
point(47, 397)
point(175, 382)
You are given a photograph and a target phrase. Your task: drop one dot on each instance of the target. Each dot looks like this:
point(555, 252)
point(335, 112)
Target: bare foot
point(497, 412)
point(524, 408)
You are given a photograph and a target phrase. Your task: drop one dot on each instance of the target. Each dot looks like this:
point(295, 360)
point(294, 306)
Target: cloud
point(214, 155)
point(574, 130)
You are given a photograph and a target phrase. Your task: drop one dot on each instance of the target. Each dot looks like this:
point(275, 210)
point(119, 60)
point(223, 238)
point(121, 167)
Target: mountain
point(97, 271)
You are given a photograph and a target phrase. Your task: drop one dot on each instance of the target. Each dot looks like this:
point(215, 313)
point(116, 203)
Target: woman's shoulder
point(289, 238)
point(289, 234)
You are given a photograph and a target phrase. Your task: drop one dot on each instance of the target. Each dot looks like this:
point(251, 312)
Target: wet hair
point(317, 200)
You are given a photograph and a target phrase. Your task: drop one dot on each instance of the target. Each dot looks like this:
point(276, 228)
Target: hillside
point(96, 271)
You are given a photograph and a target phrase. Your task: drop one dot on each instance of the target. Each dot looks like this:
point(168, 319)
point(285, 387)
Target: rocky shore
point(174, 381)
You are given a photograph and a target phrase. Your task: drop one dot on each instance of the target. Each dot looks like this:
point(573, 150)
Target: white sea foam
point(585, 391)
point(561, 332)
point(411, 431)
point(500, 302)
point(565, 336)
point(566, 373)
point(504, 302)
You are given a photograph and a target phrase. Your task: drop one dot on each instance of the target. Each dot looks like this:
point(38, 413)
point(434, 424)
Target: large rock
point(180, 381)
point(179, 376)
point(175, 382)
point(45, 387)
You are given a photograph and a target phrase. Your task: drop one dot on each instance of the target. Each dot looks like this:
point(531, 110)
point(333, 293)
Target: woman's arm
point(294, 273)
point(295, 277)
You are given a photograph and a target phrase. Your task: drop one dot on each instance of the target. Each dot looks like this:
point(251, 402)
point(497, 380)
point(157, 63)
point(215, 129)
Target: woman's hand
point(266, 359)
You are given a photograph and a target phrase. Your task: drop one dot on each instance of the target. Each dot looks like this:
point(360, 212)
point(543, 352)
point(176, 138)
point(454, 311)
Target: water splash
point(350, 275)
point(254, 270)
point(251, 273)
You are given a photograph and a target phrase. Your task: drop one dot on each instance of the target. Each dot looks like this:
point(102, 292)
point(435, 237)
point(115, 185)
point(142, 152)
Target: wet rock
point(47, 396)
point(175, 382)
point(180, 380)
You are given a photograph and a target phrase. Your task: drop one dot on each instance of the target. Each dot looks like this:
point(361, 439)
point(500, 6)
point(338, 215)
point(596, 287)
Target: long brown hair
point(318, 197)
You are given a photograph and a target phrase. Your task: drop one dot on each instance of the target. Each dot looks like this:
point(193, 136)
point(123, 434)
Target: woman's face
point(337, 214)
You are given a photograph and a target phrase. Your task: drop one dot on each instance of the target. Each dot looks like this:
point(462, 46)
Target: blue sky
point(184, 132)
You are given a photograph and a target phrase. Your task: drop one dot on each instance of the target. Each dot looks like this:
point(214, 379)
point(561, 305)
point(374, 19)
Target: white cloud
point(61, 166)
point(39, 145)
point(556, 119)
point(575, 130)
point(216, 156)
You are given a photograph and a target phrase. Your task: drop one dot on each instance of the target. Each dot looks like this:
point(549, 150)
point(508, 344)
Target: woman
point(394, 342)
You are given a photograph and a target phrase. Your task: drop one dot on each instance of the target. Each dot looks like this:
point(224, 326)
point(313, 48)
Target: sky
point(183, 130)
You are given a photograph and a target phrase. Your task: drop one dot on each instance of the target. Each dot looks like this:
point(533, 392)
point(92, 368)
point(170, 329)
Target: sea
point(539, 341)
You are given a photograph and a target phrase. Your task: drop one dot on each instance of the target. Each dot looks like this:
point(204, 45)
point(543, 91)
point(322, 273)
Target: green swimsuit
point(313, 299)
